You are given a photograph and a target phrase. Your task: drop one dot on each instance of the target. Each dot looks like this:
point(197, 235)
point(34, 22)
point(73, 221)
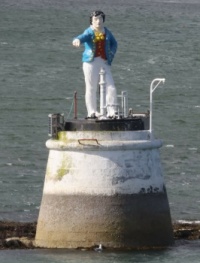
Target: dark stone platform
point(128, 124)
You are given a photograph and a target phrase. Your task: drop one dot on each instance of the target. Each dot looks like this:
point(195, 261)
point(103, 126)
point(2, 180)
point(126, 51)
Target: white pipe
point(102, 84)
point(152, 88)
point(124, 103)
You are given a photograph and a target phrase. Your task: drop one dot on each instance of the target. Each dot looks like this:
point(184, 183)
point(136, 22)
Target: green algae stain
point(60, 173)
point(62, 136)
point(64, 168)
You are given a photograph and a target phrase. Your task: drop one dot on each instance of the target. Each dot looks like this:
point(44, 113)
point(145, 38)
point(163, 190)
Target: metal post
point(102, 84)
point(124, 103)
point(152, 88)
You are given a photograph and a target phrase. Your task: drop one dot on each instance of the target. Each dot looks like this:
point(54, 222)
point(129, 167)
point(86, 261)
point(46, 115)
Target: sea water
point(39, 72)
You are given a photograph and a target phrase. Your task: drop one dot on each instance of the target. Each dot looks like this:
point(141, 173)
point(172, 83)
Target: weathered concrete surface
point(119, 221)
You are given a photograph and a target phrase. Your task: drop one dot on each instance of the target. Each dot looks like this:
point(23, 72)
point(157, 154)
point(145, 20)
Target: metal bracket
point(56, 124)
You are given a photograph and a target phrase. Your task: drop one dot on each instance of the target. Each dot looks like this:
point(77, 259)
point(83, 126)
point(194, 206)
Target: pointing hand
point(76, 42)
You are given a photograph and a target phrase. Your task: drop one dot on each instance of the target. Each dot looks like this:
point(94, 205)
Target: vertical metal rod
point(75, 105)
point(152, 88)
point(102, 84)
point(124, 103)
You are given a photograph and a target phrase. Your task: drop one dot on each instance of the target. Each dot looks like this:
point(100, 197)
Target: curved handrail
point(153, 86)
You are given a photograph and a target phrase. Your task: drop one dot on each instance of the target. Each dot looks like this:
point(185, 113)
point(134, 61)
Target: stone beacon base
point(104, 185)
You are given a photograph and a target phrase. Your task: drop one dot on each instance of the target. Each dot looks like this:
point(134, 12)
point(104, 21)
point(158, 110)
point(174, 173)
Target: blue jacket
point(90, 47)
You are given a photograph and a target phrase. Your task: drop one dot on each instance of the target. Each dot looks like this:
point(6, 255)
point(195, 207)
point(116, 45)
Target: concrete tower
point(104, 184)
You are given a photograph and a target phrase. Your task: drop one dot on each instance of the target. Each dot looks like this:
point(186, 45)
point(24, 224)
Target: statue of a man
point(100, 48)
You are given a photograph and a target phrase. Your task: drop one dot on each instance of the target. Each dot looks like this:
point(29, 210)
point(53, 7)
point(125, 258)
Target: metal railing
point(154, 84)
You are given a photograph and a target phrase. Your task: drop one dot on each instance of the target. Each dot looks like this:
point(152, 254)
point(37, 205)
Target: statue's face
point(97, 22)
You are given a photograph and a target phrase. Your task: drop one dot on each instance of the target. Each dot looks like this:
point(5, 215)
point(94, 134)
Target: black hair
point(97, 13)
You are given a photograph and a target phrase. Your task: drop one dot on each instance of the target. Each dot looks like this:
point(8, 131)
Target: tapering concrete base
point(119, 221)
point(104, 185)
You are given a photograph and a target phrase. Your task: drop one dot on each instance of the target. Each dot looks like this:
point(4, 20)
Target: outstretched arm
point(86, 36)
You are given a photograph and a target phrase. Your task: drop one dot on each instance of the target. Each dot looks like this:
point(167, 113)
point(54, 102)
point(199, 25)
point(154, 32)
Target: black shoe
point(92, 116)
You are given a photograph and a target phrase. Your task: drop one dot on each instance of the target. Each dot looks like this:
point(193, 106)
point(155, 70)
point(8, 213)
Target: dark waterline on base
point(121, 221)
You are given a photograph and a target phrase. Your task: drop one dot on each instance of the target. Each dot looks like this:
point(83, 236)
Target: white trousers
point(91, 72)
